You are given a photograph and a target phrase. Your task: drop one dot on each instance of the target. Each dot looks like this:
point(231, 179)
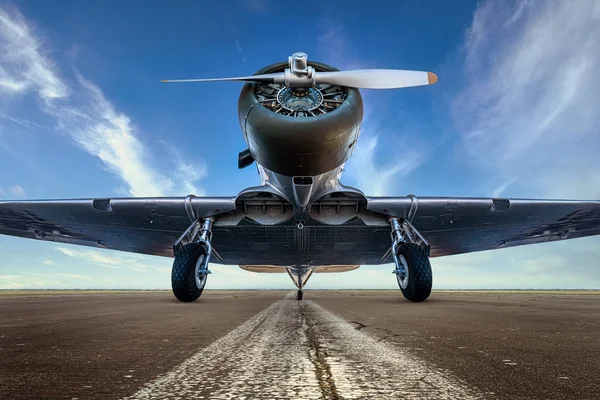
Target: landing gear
point(414, 272)
point(300, 275)
point(411, 256)
point(190, 267)
point(189, 273)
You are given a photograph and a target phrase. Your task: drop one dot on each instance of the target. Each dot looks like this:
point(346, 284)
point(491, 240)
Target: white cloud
point(529, 110)
point(29, 281)
point(240, 50)
point(17, 190)
point(233, 270)
point(335, 47)
point(114, 259)
point(502, 188)
point(372, 176)
point(93, 256)
point(367, 168)
point(101, 130)
point(528, 118)
point(74, 276)
point(83, 113)
point(562, 265)
point(58, 280)
point(23, 122)
point(22, 49)
point(257, 6)
point(187, 173)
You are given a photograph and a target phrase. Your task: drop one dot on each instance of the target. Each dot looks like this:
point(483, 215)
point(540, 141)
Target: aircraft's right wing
point(464, 225)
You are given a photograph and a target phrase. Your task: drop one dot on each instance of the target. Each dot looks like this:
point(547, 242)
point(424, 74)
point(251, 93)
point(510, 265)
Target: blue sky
point(514, 114)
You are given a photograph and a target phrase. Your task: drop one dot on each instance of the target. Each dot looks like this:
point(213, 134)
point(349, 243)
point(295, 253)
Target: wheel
point(187, 280)
point(299, 295)
point(416, 282)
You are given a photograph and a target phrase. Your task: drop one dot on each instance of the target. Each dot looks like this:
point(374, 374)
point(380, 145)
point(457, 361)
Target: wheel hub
point(402, 274)
point(200, 272)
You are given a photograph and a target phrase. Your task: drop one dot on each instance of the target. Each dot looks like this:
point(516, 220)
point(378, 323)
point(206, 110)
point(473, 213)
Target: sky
point(514, 114)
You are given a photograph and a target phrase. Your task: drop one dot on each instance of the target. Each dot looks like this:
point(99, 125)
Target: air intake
point(303, 186)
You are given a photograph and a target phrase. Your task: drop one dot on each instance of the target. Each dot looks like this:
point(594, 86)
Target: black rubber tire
point(299, 295)
point(183, 280)
point(420, 278)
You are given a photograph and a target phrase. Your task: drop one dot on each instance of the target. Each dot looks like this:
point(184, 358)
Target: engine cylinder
point(291, 138)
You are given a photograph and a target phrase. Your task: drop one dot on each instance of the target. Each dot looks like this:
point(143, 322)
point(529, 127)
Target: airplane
point(301, 121)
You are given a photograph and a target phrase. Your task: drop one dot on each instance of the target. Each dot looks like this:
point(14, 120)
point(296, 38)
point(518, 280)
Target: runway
point(333, 345)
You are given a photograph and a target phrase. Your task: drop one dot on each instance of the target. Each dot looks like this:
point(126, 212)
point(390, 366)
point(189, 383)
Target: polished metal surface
point(300, 274)
point(319, 186)
point(402, 272)
point(403, 232)
point(200, 231)
point(201, 272)
point(299, 63)
point(300, 74)
point(288, 135)
point(274, 269)
point(205, 238)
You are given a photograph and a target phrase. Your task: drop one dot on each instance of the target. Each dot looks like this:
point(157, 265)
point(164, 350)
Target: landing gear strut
point(411, 256)
point(190, 267)
point(300, 275)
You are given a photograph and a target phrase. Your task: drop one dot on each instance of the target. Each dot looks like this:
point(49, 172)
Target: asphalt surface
point(332, 345)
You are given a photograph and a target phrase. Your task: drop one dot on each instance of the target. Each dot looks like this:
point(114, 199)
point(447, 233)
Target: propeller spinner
point(300, 74)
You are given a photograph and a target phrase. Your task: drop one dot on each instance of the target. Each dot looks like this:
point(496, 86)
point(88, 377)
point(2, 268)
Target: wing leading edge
point(152, 225)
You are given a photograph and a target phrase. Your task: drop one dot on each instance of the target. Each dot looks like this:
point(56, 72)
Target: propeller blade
point(377, 78)
point(269, 78)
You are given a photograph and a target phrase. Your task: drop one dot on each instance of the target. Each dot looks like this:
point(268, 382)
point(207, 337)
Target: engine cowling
point(299, 131)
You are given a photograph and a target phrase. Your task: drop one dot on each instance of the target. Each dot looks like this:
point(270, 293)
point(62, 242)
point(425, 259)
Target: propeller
point(377, 78)
point(254, 78)
point(300, 74)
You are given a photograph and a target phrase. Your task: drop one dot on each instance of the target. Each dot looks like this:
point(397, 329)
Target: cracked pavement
point(332, 345)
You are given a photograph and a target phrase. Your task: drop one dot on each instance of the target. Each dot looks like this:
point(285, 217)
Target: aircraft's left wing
point(138, 225)
point(465, 225)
